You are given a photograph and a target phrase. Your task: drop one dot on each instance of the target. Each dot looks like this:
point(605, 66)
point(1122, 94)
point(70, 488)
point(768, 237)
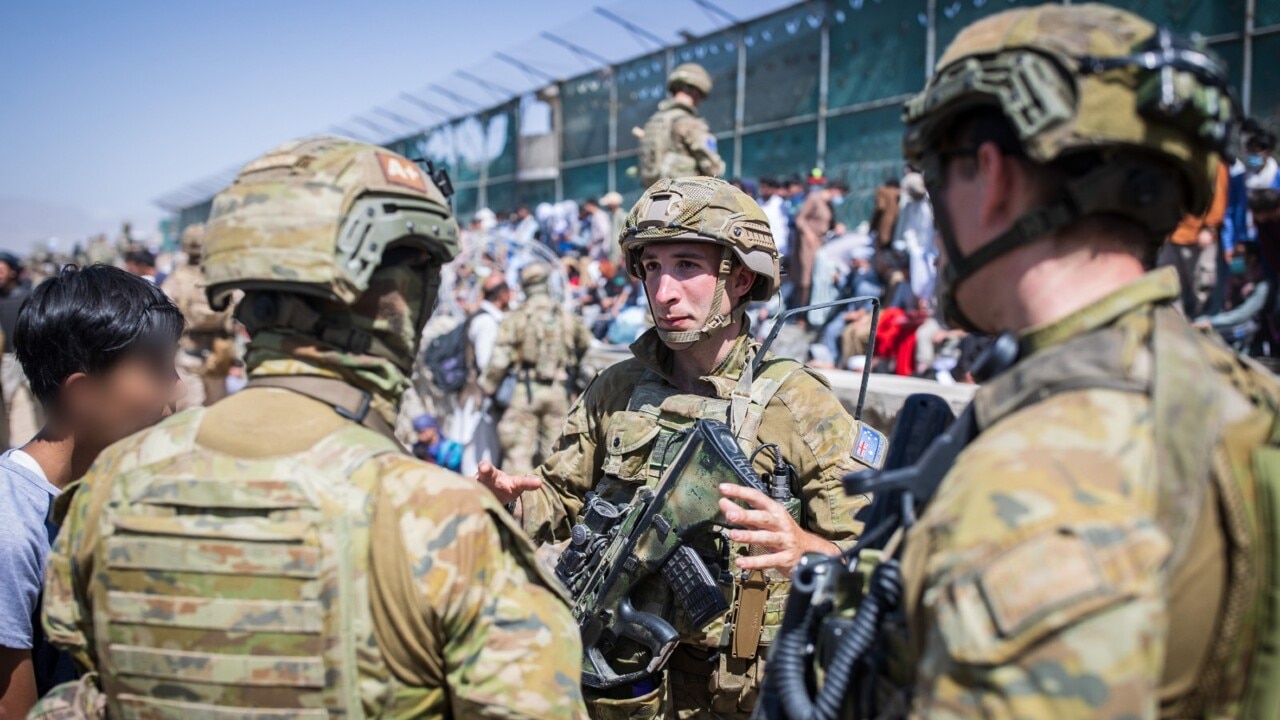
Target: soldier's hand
point(505, 487)
point(767, 525)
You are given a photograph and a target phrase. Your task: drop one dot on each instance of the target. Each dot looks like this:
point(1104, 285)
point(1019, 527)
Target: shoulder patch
point(870, 446)
point(1044, 584)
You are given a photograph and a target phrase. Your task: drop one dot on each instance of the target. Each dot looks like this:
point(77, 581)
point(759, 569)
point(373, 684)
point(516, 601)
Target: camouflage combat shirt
point(447, 614)
point(1066, 568)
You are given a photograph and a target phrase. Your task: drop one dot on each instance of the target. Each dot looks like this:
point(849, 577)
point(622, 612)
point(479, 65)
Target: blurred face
point(7, 275)
point(680, 280)
point(137, 392)
point(1256, 155)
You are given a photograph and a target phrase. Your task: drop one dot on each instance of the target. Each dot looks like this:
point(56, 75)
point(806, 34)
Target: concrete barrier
point(885, 393)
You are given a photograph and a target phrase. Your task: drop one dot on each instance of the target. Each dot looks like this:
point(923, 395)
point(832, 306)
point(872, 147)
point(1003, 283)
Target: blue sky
point(105, 106)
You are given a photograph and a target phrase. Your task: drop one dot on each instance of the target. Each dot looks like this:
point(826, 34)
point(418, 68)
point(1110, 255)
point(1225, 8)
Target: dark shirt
point(10, 304)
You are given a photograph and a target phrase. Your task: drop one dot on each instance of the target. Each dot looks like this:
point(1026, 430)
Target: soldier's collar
point(1159, 285)
point(669, 103)
point(655, 356)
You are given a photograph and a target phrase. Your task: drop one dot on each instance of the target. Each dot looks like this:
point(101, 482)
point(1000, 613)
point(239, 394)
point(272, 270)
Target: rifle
point(617, 547)
point(838, 605)
point(820, 627)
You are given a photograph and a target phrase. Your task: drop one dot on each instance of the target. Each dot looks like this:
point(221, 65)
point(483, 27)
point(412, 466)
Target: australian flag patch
point(869, 446)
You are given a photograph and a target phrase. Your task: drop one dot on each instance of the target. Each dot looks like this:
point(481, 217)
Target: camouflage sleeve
point(582, 338)
point(67, 612)
point(508, 643)
point(568, 474)
point(817, 437)
point(1035, 586)
point(700, 143)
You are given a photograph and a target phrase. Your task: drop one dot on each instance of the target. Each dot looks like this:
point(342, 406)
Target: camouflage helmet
point(692, 75)
point(709, 210)
point(315, 216)
point(534, 274)
point(1124, 104)
point(193, 239)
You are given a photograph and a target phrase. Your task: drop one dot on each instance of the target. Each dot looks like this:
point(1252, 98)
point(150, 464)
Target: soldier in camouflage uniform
point(1102, 546)
point(703, 250)
point(676, 142)
point(208, 347)
point(543, 346)
point(276, 554)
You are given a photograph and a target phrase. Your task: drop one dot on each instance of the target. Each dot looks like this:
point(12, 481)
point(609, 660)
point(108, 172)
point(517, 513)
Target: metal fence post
point(930, 38)
point(613, 128)
point(740, 102)
point(1246, 77)
point(824, 79)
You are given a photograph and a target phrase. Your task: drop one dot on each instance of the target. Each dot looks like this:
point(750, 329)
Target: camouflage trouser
point(532, 424)
point(693, 688)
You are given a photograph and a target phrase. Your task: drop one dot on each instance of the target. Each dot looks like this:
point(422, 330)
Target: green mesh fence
point(877, 50)
point(783, 64)
point(585, 109)
point(784, 151)
point(877, 53)
point(1207, 17)
point(1267, 13)
point(642, 84)
point(717, 53)
point(1266, 90)
point(501, 196)
point(586, 181)
point(864, 149)
point(539, 191)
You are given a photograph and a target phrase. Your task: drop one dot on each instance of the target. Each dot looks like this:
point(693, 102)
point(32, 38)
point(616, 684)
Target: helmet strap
point(269, 310)
point(1034, 225)
point(685, 338)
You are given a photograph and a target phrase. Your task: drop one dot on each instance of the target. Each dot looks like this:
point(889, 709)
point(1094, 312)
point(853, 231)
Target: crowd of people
point(1098, 519)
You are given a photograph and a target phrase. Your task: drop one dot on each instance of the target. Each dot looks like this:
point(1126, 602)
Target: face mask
point(397, 306)
point(1237, 266)
point(1254, 162)
point(837, 201)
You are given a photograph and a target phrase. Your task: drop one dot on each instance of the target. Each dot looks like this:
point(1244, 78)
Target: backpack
point(656, 146)
point(449, 358)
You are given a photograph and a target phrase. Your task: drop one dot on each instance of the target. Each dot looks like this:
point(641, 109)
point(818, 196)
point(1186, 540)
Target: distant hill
point(24, 221)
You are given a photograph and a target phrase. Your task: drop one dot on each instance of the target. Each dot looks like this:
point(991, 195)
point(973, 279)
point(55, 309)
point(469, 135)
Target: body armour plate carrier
point(254, 566)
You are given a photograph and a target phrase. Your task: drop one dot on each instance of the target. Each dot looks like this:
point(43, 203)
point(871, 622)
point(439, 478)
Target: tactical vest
point(660, 155)
point(643, 440)
point(255, 567)
point(543, 345)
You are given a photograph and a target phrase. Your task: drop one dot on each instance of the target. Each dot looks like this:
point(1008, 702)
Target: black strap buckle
point(366, 400)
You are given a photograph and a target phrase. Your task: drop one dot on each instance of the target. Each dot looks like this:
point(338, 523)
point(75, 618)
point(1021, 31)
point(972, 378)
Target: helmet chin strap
point(1032, 226)
point(682, 339)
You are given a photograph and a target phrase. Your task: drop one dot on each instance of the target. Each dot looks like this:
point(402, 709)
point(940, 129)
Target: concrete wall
point(885, 393)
